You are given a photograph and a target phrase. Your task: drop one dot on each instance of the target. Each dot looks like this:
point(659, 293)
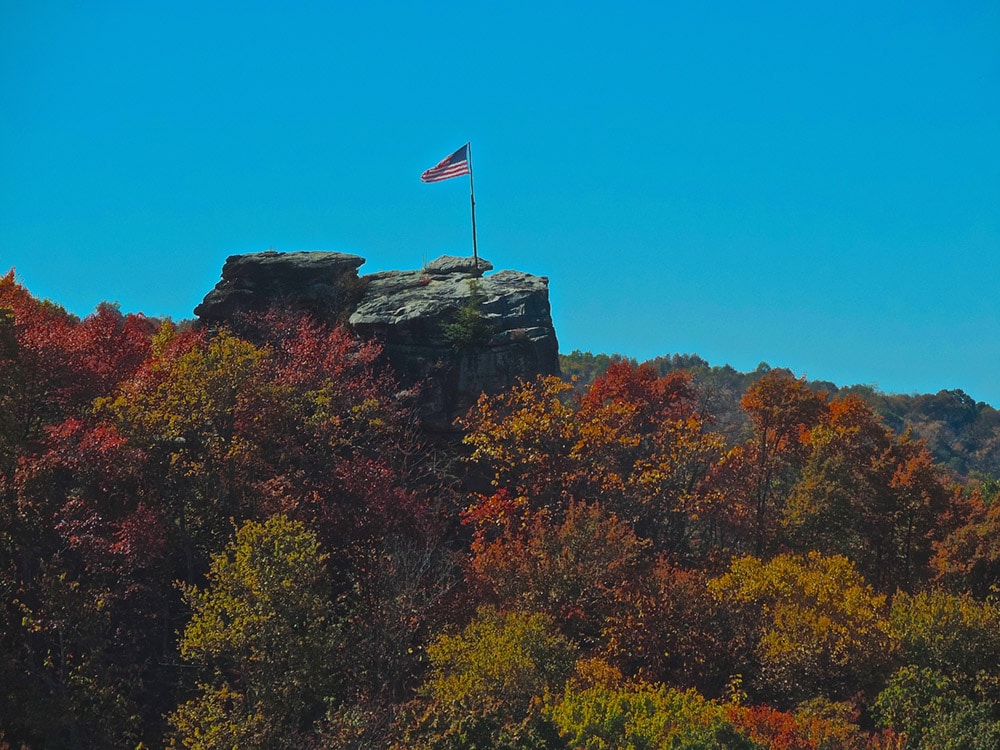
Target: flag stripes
point(453, 165)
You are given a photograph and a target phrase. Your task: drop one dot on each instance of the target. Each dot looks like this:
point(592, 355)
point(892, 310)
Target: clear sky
point(811, 184)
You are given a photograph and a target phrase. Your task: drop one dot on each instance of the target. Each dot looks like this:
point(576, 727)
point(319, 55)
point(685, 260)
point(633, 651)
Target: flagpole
point(472, 198)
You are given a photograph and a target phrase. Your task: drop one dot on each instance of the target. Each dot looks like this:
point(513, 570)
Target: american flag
point(451, 166)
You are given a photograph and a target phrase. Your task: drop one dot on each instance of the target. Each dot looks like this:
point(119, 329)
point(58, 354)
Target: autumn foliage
point(241, 537)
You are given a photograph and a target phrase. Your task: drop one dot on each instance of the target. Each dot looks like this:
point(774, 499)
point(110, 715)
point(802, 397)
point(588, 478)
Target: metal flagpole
point(472, 197)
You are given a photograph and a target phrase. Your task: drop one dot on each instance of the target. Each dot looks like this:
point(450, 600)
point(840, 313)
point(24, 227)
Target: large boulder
point(320, 282)
point(447, 328)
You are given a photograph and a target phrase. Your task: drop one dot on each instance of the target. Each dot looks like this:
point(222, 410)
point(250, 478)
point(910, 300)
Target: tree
point(182, 410)
point(469, 329)
point(403, 591)
point(947, 694)
point(524, 437)
point(643, 716)
point(818, 725)
point(59, 364)
point(71, 607)
point(633, 443)
point(934, 713)
point(113, 490)
point(264, 634)
point(758, 475)
point(670, 628)
point(582, 368)
point(486, 684)
point(575, 568)
point(644, 451)
point(868, 494)
point(94, 582)
point(812, 623)
point(953, 633)
point(301, 424)
point(968, 557)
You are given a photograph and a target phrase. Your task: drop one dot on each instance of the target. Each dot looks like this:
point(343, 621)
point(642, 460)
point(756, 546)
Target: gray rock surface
point(412, 314)
point(410, 311)
point(454, 264)
point(321, 282)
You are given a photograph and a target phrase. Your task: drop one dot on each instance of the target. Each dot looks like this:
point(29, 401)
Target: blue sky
point(815, 185)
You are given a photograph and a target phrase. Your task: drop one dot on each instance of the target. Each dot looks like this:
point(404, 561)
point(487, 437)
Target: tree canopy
point(241, 537)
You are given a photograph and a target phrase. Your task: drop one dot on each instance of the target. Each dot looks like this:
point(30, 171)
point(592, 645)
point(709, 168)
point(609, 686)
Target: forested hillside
point(240, 537)
point(960, 433)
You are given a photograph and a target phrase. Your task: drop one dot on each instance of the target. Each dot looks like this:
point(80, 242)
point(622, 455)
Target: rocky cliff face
point(447, 327)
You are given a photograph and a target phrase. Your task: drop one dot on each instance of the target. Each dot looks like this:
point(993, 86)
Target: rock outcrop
point(321, 282)
point(447, 328)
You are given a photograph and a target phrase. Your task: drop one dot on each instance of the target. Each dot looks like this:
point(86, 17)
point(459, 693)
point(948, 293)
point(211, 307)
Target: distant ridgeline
point(961, 433)
point(448, 327)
